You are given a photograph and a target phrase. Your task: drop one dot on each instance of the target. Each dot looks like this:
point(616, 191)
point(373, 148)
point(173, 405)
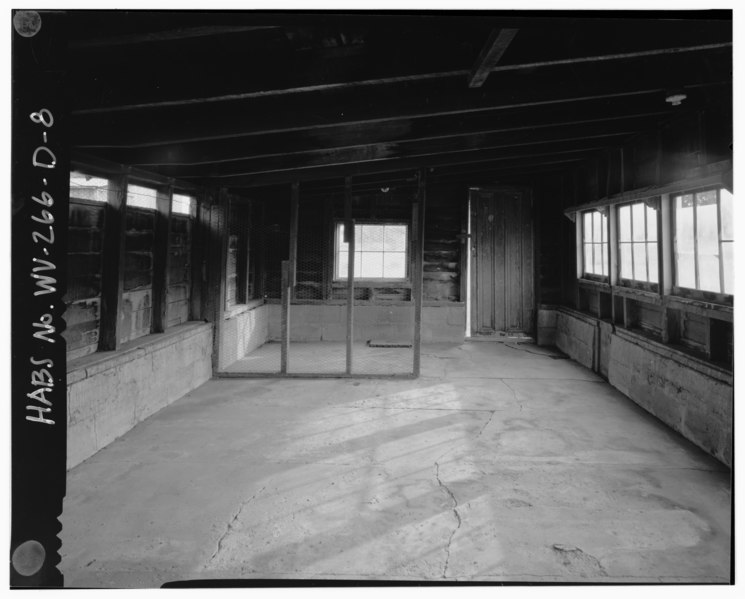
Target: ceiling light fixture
point(675, 98)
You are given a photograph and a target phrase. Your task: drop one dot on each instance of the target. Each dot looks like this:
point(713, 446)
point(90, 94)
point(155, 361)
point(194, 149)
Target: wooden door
point(502, 272)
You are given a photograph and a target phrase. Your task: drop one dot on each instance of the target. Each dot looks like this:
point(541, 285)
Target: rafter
point(346, 85)
point(493, 50)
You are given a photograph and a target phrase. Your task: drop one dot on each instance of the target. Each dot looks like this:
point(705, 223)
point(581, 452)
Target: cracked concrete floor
point(501, 463)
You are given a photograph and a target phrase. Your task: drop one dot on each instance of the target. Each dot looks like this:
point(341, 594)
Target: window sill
point(700, 307)
point(591, 284)
point(645, 295)
point(379, 283)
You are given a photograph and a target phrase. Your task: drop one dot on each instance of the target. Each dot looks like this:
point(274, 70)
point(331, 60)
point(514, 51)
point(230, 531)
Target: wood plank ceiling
point(254, 98)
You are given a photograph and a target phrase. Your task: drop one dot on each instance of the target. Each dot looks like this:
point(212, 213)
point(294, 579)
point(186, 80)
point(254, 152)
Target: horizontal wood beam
point(231, 153)
point(273, 115)
point(210, 148)
point(262, 91)
point(403, 164)
point(495, 47)
point(384, 151)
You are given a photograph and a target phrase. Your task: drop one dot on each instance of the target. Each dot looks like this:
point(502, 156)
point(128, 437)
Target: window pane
point(395, 238)
point(342, 245)
point(604, 251)
point(725, 199)
point(141, 197)
point(653, 265)
point(637, 219)
point(597, 227)
point(651, 224)
point(604, 228)
point(640, 262)
point(394, 265)
point(624, 221)
point(625, 260)
point(371, 265)
point(181, 204)
point(728, 265)
point(86, 187)
point(598, 259)
point(588, 258)
point(341, 265)
point(685, 273)
point(708, 241)
point(587, 226)
point(708, 272)
point(370, 238)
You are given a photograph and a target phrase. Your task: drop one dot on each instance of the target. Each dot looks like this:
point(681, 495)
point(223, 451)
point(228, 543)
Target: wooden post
point(197, 258)
point(350, 239)
point(217, 271)
point(286, 289)
point(418, 239)
point(294, 208)
point(112, 279)
point(161, 258)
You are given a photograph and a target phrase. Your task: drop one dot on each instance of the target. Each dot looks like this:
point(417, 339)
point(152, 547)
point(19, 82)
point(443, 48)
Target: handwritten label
point(42, 271)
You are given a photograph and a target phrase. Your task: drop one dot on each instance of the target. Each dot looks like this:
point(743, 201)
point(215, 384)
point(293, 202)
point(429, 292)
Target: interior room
point(440, 296)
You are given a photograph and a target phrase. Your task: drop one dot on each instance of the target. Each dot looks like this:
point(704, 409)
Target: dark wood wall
point(318, 215)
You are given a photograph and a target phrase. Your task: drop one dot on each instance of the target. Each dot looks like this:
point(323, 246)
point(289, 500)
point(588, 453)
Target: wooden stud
point(197, 257)
point(418, 273)
point(294, 210)
point(286, 289)
point(112, 277)
point(161, 258)
point(218, 261)
point(349, 235)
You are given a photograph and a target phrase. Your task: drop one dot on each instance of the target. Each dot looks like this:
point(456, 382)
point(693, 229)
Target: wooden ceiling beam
point(494, 48)
point(396, 166)
point(376, 106)
point(263, 91)
point(320, 156)
point(331, 169)
point(264, 146)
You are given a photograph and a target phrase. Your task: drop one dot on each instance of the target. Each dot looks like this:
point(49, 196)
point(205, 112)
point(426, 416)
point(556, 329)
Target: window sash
point(694, 240)
point(372, 258)
point(595, 244)
point(638, 246)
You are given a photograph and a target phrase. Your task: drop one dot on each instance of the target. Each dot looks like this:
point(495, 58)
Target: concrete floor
point(501, 463)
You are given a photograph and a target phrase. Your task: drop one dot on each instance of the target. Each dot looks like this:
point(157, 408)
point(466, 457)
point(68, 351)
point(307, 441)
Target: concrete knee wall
point(328, 322)
point(110, 392)
point(689, 395)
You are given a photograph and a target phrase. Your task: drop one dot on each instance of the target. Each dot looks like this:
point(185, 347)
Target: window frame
point(588, 276)
point(651, 203)
point(113, 252)
point(380, 281)
point(687, 292)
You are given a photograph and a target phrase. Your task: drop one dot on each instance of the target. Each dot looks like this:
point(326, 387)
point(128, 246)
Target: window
point(87, 187)
point(637, 243)
point(595, 244)
point(141, 197)
point(703, 241)
point(181, 204)
point(380, 251)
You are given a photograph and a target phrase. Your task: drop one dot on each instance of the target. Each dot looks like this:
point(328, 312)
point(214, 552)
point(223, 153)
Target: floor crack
point(232, 521)
point(488, 422)
point(514, 394)
point(457, 517)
